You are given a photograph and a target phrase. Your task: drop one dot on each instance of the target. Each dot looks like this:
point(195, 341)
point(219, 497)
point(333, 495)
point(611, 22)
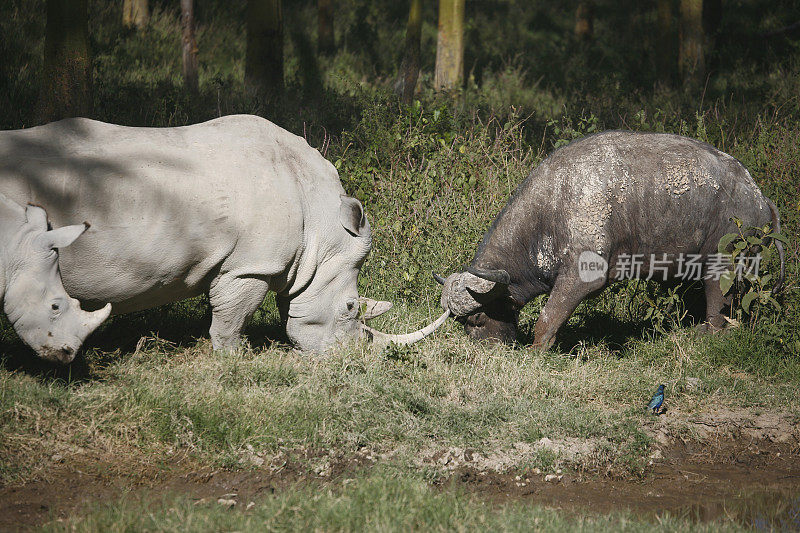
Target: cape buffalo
point(589, 209)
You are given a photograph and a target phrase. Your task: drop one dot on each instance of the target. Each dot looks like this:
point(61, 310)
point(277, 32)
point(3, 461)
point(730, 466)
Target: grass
point(381, 501)
point(412, 402)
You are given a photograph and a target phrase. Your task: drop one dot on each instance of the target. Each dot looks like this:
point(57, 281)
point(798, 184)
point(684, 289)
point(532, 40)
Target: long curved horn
point(408, 338)
point(439, 279)
point(498, 276)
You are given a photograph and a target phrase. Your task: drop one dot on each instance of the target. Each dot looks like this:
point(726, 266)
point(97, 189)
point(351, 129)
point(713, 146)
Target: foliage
point(428, 178)
point(744, 251)
point(666, 311)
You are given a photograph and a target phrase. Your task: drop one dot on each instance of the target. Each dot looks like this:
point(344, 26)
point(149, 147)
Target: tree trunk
point(409, 70)
point(665, 48)
point(691, 60)
point(712, 17)
point(66, 89)
point(450, 46)
point(326, 43)
point(584, 20)
point(263, 70)
point(189, 46)
point(135, 13)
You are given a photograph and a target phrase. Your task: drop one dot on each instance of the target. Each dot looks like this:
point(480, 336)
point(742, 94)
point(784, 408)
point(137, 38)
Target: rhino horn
point(93, 319)
point(372, 308)
point(439, 279)
point(408, 338)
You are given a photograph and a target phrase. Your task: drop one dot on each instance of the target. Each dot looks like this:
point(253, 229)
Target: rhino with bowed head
point(233, 207)
point(582, 216)
point(31, 293)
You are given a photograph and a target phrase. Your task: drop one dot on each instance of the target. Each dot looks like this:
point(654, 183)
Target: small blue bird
point(658, 399)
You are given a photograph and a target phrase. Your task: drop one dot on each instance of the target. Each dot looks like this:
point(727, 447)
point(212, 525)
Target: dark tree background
point(66, 79)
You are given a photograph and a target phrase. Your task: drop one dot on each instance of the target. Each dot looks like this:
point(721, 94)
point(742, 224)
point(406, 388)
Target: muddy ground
point(743, 479)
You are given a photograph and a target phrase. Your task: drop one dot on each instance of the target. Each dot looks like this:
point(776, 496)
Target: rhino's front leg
point(567, 293)
point(233, 301)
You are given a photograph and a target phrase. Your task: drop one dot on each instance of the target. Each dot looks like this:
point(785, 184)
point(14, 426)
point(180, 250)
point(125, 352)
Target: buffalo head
point(479, 299)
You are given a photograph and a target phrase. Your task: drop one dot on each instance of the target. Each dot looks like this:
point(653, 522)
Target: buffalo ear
point(352, 217)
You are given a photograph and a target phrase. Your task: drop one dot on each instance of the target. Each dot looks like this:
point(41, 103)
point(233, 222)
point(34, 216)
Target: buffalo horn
point(498, 276)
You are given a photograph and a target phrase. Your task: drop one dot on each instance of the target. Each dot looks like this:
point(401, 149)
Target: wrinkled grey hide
point(233, 207)
point(31, 293)
point(608, 194)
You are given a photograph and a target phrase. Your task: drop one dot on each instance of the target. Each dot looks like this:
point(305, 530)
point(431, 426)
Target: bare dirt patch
point(696, 480)
point(746, 466)
point(742, 465)
point(73, 488)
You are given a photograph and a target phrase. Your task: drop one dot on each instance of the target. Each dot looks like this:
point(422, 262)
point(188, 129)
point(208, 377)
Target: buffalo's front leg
point(233, 301)
point(567, 293)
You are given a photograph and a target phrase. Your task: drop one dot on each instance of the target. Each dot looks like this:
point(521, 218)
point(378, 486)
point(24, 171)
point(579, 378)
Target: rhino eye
point(54, 307)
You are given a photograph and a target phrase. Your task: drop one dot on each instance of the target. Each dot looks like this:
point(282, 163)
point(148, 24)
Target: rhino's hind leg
point(233, 302)
point(568, 291)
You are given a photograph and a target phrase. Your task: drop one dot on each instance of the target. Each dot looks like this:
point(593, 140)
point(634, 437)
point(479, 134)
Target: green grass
point(381, 501)
point(445, 392)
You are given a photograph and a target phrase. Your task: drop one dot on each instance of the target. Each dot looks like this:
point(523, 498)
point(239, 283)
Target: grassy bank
point(402, 404)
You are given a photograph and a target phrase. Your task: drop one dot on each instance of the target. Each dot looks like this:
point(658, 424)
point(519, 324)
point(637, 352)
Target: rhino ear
point(36, 216)
point(371, 308)
point(61, 237)
point(352, 217)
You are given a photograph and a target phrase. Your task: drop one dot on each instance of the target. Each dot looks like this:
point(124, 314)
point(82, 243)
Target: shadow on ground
point(178, 325)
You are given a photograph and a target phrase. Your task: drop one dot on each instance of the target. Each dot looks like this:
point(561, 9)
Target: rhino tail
point(776, 224)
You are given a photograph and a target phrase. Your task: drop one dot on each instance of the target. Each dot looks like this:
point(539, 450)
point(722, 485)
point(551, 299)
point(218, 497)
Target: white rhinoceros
point(233, 207)
point(31, 293)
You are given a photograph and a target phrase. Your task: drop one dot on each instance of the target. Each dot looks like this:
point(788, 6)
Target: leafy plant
point(667, 310)
point(566, 130)
point(752, 285)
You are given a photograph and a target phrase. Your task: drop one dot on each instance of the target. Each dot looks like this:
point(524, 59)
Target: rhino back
point(169, 207)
